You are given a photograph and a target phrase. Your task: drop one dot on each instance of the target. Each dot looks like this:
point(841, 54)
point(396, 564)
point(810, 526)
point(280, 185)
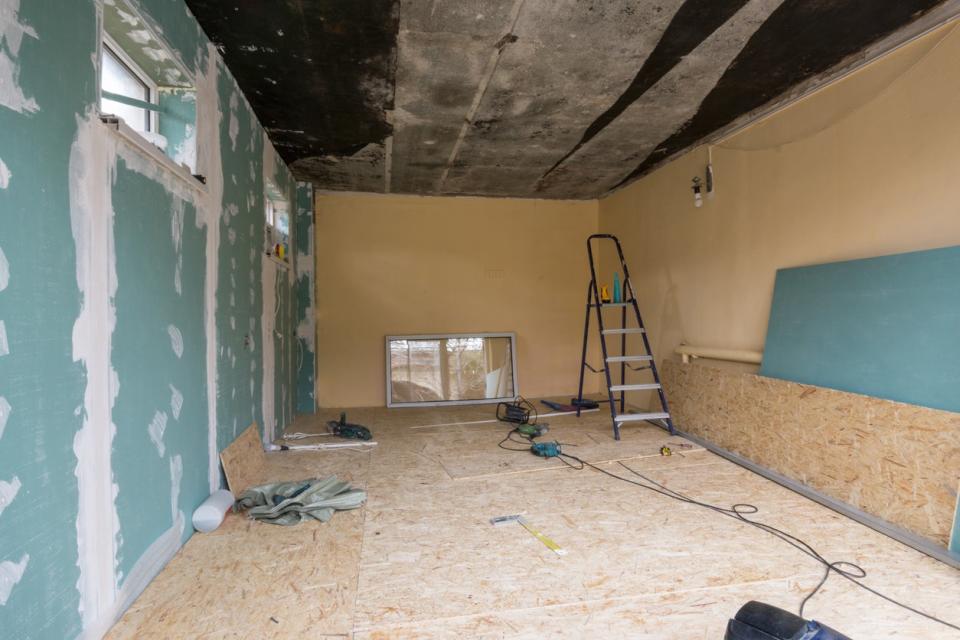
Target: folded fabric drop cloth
point(290, 503)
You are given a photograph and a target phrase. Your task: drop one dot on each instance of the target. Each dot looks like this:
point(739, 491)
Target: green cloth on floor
point(289, 503)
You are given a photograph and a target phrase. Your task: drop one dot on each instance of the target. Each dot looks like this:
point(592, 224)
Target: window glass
point(116, 77)
point(269, 211)
point(283, 223)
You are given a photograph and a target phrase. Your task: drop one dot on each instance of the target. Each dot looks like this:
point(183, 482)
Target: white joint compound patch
point(176, 340)
point(93, 158)
point(8, 491)
point(267, 326)
point(140, 36)
point(4, 414)
point(4, 344)
point(234, 122)
point(176, 402)
point(4, 270)
point(209, 162)
point(176, 233)
point(176, 475)
point(10, 575)
point(12, 32)
point(5, 175)
point(157, 426)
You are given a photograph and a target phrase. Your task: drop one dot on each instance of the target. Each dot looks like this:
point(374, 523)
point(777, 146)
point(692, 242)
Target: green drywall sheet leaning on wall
point(884, 327)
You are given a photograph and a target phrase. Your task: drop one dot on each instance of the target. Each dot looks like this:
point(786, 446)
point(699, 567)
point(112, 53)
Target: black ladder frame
point(627, 298)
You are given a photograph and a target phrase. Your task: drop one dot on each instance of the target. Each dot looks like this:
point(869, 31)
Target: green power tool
point(545, 449)
point(532, 430)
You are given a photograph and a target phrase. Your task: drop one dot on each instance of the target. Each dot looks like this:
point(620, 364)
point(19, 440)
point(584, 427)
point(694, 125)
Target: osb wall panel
point(244, 461)
point(893, 460)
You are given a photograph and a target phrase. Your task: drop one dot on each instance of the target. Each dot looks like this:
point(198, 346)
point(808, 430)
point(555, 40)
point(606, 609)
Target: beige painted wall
point(866, 167)
point(406, 265)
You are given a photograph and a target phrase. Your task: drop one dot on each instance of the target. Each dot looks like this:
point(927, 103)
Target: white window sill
point(149, 150)
point(282, 263)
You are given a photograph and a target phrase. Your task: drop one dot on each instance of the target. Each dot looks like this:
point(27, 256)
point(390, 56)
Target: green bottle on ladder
point(628, 300)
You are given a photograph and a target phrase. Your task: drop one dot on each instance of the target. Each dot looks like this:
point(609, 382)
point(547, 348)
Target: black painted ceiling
point(528, 98)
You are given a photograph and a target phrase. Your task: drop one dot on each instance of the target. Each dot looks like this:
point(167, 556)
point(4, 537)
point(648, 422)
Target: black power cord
point(849, 570)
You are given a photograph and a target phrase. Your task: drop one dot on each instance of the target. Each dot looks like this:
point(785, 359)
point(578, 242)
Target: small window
point(144, 84)
point(277, 218)
point(122, 78)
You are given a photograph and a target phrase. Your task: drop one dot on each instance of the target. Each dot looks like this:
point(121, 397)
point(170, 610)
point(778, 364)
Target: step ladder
point(645, 360)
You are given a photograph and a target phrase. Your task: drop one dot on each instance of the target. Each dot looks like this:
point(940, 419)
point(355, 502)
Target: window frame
point(112, 48)
point(275, 205)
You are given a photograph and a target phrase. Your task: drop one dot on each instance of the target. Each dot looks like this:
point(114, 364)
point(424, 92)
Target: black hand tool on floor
point(344, 429)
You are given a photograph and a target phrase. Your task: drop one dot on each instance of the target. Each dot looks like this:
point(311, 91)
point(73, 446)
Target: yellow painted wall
point(868, 166)
point(405, 265)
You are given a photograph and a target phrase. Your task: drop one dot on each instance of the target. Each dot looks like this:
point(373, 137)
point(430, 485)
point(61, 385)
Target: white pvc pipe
point(732, 355)
point(209, 515)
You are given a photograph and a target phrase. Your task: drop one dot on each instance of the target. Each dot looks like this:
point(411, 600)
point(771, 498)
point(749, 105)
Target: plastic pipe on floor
point(209, 515)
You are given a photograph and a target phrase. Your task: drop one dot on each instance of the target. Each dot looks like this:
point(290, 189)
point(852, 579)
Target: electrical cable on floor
point(849, 570)
point(739, 511)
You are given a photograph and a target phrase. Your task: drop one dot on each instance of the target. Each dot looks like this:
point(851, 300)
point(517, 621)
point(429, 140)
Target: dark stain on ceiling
point(779, 56)
point(693, 22)
point(524, 98)
point(318, 73)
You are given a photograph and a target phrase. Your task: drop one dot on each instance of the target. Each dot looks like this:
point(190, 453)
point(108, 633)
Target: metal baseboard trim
point(899, 534)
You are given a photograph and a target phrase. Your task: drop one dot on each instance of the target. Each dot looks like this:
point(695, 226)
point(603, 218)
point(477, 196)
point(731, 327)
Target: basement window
point(145, 92)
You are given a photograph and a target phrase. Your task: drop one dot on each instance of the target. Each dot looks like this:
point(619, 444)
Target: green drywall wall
point(157, 235)
point(40, 383)
point(305, 287)
point(43, 109)
point(239, 295)
point(178, 124)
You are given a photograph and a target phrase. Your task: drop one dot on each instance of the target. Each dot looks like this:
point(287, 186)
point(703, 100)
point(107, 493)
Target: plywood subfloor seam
point(813, 576)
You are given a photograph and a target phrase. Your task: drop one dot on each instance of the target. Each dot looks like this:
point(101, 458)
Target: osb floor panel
point(421, 560)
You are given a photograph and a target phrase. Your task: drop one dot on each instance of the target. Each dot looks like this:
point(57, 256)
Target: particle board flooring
point(421, 561)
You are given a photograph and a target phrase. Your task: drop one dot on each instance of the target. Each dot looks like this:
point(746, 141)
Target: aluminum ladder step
point(614, 304)
point(635, 387)
point(629, 358)
point(617, 332)
point(639, 417)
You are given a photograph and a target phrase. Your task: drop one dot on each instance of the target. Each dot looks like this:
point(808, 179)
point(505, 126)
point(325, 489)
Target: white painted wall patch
point(5, 175)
